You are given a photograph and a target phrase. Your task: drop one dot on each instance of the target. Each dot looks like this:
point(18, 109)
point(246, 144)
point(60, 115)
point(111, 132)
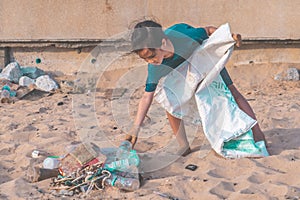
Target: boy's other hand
point(238, 39)
point(132, 139)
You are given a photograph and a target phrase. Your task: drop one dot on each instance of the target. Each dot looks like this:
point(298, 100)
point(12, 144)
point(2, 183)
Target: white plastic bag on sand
point(227, 128)
point(12, 72)
point(26, 81)
point(45, 83)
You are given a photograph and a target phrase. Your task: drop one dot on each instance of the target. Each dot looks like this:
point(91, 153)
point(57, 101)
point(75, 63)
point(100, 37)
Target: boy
point(164, 51)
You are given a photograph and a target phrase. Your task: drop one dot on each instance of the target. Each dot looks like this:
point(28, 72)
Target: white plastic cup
point(35, 154)
point(51, 163)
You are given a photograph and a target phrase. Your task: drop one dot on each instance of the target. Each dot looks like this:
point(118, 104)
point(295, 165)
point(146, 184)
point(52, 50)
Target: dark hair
point(147, 34)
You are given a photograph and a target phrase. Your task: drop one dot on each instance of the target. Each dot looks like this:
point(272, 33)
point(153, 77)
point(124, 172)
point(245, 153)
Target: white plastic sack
point(227, 128)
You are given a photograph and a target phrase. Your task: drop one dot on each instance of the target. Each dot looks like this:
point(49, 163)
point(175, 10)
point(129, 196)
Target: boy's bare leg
point(244, 105)
point(177, 126)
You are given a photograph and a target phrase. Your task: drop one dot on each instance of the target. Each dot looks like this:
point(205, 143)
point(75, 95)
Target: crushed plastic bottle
point(123, 183)
point(123, 150)
point(125, 157)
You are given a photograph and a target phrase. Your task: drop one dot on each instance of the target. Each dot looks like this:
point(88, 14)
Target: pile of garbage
point(83, 170)
point(290, 74)
point(14, 78)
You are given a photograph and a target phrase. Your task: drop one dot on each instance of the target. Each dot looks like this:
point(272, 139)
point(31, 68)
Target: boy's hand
point(133, 135)
point(131, 138)
point(238, 39)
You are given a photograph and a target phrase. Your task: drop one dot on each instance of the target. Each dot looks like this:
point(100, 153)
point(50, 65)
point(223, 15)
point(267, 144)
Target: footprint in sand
point(3, 196)
point(293, 193)
point(257, 178)
point(215, 173)
point(29, 128)
point(222, 173)
point(144, 146)
point(249, 190)
point(223, 189)
point(12, 126)
point(4, 179)
point(7, 151)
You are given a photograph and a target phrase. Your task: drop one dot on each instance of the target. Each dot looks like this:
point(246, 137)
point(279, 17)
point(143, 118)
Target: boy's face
point(154, 57)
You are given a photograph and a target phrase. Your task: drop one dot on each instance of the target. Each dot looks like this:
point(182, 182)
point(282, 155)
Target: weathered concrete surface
point(56, 60)
point(101, 19)
point(266, 54)
point(68, 61)
point(2, 58)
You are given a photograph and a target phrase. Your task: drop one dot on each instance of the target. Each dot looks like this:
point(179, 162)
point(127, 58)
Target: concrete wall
point(68, 61)
point(62, 32)
point(100, 19)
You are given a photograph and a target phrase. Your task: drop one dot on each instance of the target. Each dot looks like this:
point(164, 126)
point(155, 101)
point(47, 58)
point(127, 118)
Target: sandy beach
point(50, 123)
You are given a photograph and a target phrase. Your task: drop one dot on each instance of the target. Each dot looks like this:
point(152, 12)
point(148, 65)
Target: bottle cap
point(6, 87)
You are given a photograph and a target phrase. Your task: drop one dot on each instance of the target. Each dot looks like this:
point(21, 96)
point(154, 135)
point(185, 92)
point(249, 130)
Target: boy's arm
point(143, 108)
point(236, 37)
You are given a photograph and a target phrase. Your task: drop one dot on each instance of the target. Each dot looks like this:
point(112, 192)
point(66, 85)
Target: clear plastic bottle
point(125, 157)
point(123, 151)
point(128, 184)
point(117, 165)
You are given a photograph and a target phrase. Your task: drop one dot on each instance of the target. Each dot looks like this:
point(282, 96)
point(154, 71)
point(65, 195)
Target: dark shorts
point(226, 77)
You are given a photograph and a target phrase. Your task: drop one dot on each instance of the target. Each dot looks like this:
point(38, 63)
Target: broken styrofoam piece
point(12, 72)
point(45, 83)
point(26, 81)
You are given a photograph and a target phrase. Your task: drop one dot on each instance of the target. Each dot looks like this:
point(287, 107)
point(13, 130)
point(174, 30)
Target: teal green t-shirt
point(185, 40)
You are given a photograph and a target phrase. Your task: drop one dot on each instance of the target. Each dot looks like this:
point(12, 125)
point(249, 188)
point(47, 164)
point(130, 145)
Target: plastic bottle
point(51, 162)
point(125, 157)
point(123, 151)
point(128, 184)
point(117, 165)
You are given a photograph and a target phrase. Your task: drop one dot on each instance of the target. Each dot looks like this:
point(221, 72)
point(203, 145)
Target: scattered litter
point(12, 72)
point(33, 94)
point(93, 61)
point(5, 95)
point(83, 169)
point(35, 174)
point(32, 72)
point(291, 74)
point(51, 162)
point(35, 154)
point(38, 61)
point(24, 81)
point(45, 83)
point(191, 167)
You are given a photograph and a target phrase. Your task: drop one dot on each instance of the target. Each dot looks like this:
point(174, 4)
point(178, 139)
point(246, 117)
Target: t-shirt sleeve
point(150, 87)
point(152, 79)
point(198, 34)
point(155, 73)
